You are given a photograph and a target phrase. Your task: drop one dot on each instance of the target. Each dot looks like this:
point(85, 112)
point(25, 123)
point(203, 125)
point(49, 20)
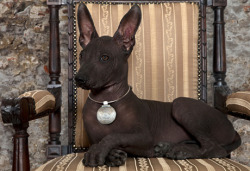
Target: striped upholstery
point(44, 100)
point(73, 162)
point(163, 64)
point(239, 102)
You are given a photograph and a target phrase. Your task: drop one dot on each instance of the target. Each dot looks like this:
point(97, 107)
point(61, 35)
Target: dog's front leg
point(138, 144)
point(116, 157)
point(94, 158)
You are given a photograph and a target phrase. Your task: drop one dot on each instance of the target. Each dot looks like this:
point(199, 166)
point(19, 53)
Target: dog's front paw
point(162, 148)
point(116, 158)
point(95, 156)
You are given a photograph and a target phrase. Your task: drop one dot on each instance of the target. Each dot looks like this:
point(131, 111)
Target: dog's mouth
point(87, 84)
point(83, 85)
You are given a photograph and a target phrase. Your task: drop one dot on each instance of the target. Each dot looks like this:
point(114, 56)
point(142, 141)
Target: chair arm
point(221, 92)
point(19, 111)
point(238, 104)
point(28, 106)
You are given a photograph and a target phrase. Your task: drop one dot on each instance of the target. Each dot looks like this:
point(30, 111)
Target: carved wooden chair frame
point(20, 111)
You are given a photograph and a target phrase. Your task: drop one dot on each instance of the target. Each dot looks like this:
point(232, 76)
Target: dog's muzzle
point(81, 82)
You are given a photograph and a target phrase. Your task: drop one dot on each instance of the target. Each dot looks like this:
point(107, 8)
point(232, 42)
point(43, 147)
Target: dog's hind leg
point(185, 150)
point(182, 150)
point(207, 126)
point(162, 148)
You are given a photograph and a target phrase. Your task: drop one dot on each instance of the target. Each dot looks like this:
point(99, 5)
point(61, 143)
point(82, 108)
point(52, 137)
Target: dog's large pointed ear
point(125, 34)
point(86, 25)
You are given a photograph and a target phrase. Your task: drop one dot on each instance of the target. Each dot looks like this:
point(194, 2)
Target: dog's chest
point(95, 130)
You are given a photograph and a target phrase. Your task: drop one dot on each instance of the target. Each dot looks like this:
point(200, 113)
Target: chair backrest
point(165, 62)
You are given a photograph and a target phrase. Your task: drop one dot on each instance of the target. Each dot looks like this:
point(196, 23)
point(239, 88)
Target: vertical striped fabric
point(73, 162)
point(163, 64)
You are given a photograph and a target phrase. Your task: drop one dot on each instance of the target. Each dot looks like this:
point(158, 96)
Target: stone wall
point(24, 41)
point(24, 51)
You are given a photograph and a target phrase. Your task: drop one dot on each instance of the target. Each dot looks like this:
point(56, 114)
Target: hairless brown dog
point(119, 123)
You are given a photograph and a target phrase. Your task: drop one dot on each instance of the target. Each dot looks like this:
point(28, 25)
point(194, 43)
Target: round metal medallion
point(106, 114)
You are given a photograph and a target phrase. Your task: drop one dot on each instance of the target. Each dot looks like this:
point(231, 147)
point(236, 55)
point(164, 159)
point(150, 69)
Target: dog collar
point(106, 114)
point(108, 102)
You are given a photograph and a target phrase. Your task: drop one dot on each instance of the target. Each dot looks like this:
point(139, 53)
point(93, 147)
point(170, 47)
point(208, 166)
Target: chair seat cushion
point(44, 100)
point(73, 162)
point(239, 102)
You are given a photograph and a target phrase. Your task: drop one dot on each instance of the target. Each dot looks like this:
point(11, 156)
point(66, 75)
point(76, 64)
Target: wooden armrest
point(238, 104)
point(221, 93)
point(235, 104)
point(19, 111)
point(27, 107)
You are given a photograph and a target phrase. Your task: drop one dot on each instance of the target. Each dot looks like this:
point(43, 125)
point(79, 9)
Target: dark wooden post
point(22, 110)
point(221, 89)
point(17, 112)
point(54, 70)
point(203, 54)
point(20, 151)
point(54, 147)
point(71, 87)
point(54, 47)
point(219, 51)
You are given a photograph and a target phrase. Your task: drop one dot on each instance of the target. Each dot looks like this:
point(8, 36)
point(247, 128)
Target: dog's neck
point(110, 93)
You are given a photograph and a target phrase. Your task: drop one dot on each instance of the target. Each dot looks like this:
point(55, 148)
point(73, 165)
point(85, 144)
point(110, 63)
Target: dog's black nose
point(80, 81)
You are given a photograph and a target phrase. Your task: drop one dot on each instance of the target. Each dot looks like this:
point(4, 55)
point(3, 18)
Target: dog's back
point(164, 127)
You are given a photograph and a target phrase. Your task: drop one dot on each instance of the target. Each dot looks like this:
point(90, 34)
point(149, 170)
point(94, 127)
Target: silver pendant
point(106, 114)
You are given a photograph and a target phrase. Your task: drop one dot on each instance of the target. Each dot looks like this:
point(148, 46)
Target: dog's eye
point(104, 58)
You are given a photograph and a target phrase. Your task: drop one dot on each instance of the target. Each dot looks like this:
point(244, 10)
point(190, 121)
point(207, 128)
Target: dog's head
point(103, 60)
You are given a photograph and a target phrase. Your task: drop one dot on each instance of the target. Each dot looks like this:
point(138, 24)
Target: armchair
point(183, 22)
